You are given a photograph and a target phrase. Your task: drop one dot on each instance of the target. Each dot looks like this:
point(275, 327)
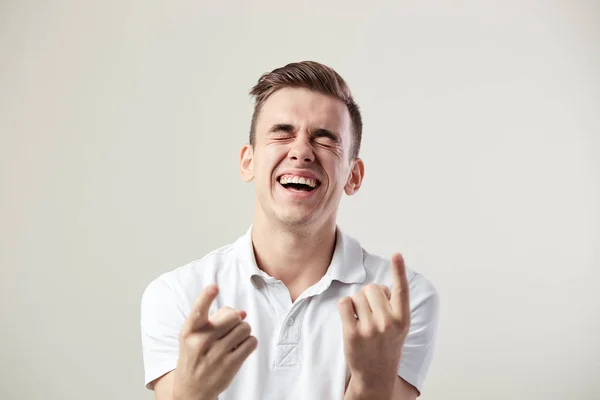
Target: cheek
point(266, 161)
point(338, 177)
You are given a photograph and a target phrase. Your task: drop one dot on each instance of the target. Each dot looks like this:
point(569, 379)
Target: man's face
point(300, 161)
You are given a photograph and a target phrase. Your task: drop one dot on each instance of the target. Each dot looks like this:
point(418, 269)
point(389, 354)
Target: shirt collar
point(346, 264)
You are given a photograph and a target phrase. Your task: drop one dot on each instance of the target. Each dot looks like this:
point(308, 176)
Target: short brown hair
point(310, 75)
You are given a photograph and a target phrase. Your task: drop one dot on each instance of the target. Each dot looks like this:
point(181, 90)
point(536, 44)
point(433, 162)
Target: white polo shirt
point(300, 352)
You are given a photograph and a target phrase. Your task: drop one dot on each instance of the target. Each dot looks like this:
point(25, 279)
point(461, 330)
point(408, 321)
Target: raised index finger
point(400, 293)
point(198, 316)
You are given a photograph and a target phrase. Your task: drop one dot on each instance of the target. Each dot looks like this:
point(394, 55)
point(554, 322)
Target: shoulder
point(186, 281)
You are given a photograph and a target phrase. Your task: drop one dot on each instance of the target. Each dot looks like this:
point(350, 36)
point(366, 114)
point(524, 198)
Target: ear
point(357, 173)
point(247, 163)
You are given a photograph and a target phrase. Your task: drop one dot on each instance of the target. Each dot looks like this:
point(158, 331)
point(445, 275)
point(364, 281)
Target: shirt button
point(290, 321)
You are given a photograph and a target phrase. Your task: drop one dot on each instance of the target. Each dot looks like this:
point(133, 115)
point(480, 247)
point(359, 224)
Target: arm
point(402, 391)
point(163, 387)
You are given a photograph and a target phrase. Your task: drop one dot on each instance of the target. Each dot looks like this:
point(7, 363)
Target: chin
point(296, 219)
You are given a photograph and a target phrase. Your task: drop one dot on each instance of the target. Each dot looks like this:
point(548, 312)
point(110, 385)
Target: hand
point(373, 339)
point(211, 350)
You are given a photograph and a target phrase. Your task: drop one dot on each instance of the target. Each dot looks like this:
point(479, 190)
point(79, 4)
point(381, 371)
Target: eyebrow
point(321, 132)
point(282, 127)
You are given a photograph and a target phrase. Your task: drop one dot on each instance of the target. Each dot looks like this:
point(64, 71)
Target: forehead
point(304, 108)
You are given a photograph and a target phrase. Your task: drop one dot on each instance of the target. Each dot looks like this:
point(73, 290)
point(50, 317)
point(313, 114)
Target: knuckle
point(253, 341)
point(225, 314)
point(249, 344)
point(402, 325)
point(197, 342)
point(229, 313)
point(369, 331)
point(216, 315)
point(246, 329)
point(388, 324)
point(224, 311)
point(367, 288)
point(371, 288)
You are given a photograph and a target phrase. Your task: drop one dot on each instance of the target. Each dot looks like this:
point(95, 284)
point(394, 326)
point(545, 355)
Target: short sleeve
point(419, 346)
point(161, 321)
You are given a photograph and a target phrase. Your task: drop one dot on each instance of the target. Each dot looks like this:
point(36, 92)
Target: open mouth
point(301, 184)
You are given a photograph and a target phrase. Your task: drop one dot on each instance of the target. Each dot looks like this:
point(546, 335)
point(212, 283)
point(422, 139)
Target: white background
point(121, 124)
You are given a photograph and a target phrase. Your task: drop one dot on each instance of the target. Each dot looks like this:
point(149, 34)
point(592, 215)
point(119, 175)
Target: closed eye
point(321, 135)
point(324, 133)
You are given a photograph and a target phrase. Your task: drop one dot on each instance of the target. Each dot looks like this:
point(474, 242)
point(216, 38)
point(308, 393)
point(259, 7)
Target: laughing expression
point(300, 160)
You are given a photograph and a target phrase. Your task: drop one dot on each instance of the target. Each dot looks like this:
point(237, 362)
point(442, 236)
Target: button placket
point(288, 346)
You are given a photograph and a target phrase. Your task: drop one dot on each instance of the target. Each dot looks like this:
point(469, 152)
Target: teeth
point(285, 179)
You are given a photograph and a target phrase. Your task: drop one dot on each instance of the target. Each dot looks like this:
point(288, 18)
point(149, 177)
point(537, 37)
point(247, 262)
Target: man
point(295, 308)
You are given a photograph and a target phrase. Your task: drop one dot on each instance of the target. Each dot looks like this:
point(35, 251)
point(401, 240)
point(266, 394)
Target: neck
point(297, 257)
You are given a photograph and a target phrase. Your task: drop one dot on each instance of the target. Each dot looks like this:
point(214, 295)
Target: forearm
point(360, 391)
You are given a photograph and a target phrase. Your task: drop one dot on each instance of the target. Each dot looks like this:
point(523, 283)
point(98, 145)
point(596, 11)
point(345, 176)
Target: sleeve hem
point(411, 377)
point(157, 372)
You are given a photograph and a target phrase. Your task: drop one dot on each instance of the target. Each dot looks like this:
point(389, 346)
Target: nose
point(302, 150)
